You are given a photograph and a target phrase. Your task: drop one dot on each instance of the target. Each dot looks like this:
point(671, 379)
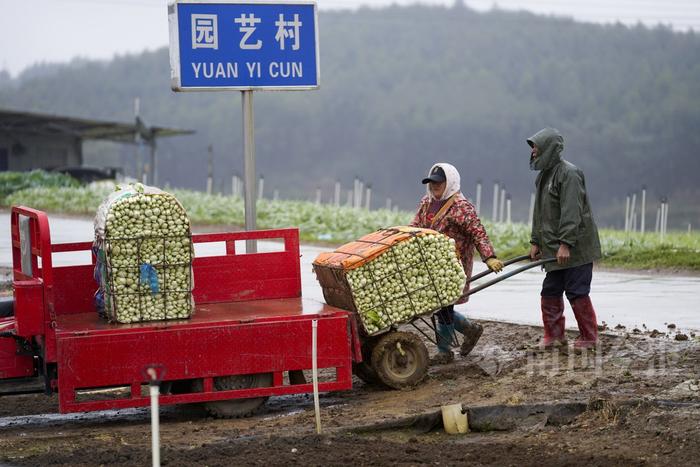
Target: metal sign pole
point(249, 166)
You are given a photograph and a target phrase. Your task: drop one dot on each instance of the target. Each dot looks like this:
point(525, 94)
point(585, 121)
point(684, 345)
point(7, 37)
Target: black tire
point(400, 360)
point(182, 386)
point(236, 408)
point(7, 307)
point(365, 372)
point(364, 369)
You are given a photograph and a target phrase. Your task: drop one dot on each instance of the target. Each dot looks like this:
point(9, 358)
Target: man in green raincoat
point(563, 227)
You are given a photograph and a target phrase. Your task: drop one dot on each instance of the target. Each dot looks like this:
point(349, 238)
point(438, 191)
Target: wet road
point(630, 299)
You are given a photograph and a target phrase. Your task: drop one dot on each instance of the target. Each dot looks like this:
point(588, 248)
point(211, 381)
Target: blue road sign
point(224, 45)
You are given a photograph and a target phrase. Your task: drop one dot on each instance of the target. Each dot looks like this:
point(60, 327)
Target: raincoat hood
point(550, 144)
point(452, 183)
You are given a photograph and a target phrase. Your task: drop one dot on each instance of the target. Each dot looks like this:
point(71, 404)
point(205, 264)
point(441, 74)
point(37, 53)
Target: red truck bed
point(249, 318)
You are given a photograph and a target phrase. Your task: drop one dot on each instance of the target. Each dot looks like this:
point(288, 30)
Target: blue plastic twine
point(149, 276)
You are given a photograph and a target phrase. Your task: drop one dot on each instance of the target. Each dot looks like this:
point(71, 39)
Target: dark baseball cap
point(437, 175)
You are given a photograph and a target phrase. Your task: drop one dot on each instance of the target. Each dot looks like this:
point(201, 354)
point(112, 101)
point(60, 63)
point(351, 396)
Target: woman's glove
point(494, 264)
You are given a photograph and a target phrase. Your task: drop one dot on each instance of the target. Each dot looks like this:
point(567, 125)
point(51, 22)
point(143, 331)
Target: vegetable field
point(11, 182)
point(335, 225)
point(316, 222)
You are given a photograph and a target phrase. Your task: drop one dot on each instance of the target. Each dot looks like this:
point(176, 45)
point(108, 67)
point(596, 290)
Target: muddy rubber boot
point(472, 333)
point(443, 333)
point(587, 323)
point(553, 321)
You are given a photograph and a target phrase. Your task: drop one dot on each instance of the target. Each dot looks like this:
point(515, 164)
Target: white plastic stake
point(155, 417)
point(627, 214)
point(478, 196)
point(368, 197)
point(355, 189)
point(531, 213)
point(314, 370)
point(658, 219)
point(210, 170)
point(508, 219)
point(502, 200)
point(665, 218)
point(261, 187)
point(360, 193)
point(318, 195)
point(155, 426)
point(237, 186)
point(336, 194)
point(494, 213)
point(633, 212)
point(642, 226)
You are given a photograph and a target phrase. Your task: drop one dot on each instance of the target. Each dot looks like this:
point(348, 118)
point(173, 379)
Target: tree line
point(405, 86)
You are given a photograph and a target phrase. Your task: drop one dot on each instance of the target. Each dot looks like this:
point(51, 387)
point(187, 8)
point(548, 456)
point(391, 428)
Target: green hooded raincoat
point(562, 211)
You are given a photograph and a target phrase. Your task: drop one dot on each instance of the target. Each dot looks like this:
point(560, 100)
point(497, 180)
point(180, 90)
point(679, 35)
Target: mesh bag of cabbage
point(143, 246)
point(392, 276)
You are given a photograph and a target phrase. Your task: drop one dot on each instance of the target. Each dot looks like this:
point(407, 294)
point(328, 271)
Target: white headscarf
point(453, 180)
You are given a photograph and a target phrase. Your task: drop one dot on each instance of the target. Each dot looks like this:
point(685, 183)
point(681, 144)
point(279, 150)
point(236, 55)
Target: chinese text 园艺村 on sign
point(243, 46)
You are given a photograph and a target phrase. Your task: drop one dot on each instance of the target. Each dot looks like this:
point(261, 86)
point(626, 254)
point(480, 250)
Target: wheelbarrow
point(398, 358)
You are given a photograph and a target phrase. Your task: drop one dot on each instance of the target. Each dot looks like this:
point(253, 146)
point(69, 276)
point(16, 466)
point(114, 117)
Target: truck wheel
point(236, 408)
point(400, 360)
point(7, 307)
point(365, 372)
point(364, 369)
point(177, 387)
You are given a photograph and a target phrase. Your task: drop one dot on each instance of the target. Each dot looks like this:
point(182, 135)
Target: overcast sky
point(33, 31)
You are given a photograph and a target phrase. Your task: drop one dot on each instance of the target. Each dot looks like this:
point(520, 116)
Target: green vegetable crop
point(411, 278)
point(147, 251)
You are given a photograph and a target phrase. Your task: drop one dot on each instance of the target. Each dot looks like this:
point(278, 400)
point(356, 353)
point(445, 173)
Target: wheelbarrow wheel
point(400, 360)
point(364, 369)
point(236, 408)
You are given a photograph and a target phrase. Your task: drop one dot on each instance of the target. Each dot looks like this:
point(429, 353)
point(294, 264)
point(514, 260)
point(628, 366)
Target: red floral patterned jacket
point(461, 223)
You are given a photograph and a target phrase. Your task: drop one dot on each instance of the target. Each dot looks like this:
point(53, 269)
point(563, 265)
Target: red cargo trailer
point(250, 326)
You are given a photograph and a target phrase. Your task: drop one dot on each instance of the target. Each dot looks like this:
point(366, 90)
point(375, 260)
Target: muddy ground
point(642, 393)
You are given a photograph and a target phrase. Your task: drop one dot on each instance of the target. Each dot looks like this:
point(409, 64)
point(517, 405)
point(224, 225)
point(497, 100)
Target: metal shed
point(42, 141)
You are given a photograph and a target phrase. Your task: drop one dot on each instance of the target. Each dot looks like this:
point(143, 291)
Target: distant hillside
point(402, 87)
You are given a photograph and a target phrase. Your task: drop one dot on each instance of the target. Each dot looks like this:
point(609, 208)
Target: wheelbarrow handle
point(508, 262)
point(505, 276)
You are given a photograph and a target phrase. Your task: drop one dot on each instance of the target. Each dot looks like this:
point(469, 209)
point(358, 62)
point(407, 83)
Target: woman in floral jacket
point(446, 210)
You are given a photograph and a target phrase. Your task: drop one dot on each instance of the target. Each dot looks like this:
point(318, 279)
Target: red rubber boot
point(587, 323)
point(553, 321)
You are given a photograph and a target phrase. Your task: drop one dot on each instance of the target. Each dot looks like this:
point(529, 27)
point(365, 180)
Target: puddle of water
point(54, 419)
point(284, 415)
point(279, 406)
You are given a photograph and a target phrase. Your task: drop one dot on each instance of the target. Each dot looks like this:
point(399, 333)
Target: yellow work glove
point(494, 264)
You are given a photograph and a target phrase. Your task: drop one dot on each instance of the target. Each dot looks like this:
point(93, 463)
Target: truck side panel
point(13, 364)
point(101, 360)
